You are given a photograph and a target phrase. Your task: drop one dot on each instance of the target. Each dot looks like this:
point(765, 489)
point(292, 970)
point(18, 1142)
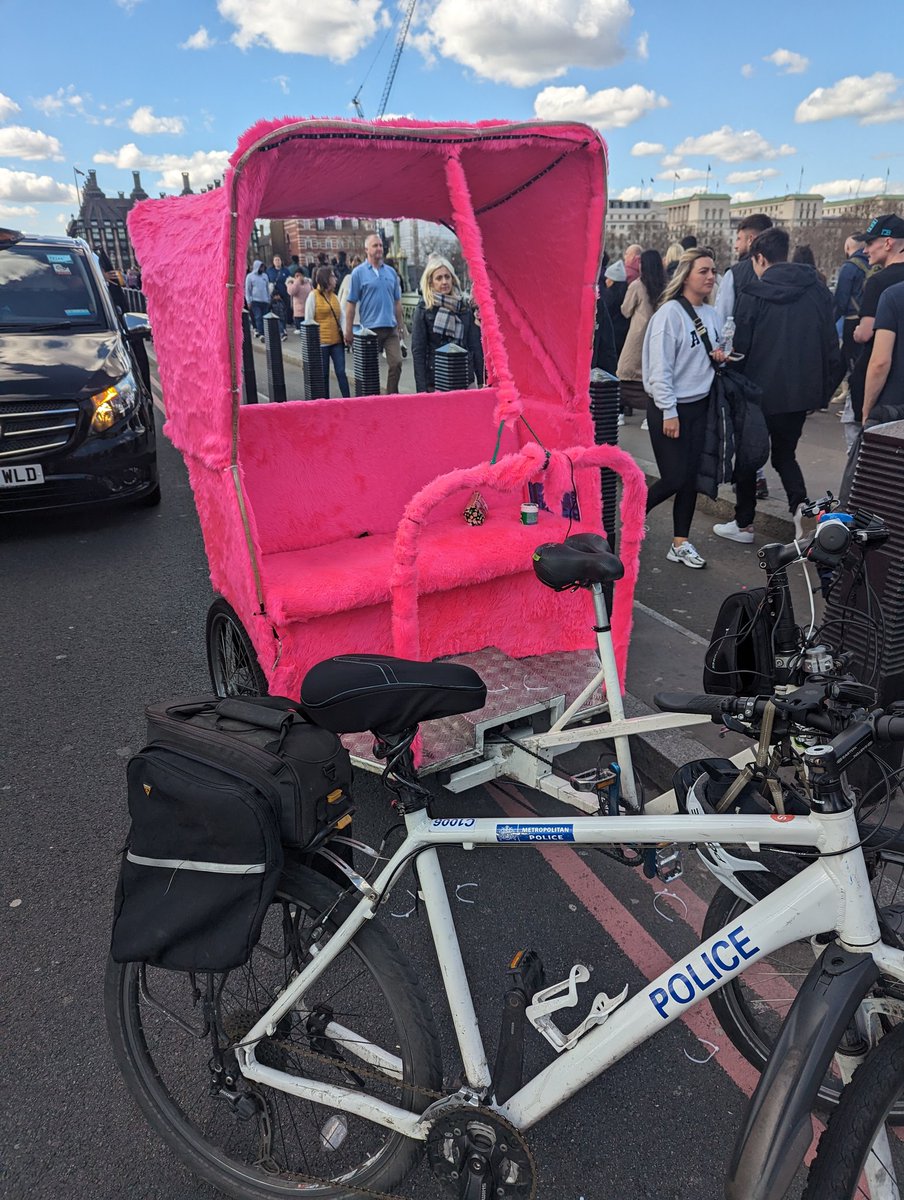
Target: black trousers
point(784, 434)
point(678, 460)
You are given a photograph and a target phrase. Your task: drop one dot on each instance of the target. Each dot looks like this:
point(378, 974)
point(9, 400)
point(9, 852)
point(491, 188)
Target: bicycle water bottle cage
point(565, 995)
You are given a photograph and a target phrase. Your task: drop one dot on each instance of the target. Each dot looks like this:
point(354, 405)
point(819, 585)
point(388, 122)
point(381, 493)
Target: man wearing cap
point(884, 238)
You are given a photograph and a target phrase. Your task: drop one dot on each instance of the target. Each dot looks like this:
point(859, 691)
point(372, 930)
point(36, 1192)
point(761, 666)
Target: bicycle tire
point(231, 658)
point(152, 1053)
point(875, 1090)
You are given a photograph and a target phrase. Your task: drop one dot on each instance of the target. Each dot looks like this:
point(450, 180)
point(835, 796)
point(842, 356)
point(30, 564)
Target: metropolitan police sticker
point(524, 831)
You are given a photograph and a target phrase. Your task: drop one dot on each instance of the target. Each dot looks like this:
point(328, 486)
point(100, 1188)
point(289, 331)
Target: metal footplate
point(565, 995)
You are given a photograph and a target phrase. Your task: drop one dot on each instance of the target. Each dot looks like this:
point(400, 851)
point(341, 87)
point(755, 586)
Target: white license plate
point(21, 476)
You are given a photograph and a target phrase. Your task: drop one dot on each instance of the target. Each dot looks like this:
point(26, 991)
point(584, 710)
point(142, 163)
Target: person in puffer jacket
point(786, 332)
point(257, 296)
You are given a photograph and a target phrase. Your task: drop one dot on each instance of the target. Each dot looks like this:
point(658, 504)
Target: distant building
point(630, 221)
point(864, 206)
point(788, 211)
point(101, 220)
point(309, 236)
point(706, 215)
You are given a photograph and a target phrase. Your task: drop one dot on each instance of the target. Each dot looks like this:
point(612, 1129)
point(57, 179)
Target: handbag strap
point(701, 329)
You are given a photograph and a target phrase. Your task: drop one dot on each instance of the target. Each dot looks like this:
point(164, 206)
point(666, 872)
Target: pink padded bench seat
point(302, 584)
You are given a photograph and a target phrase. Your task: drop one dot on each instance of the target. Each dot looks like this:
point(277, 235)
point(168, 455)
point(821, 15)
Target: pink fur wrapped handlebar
point(510, 474)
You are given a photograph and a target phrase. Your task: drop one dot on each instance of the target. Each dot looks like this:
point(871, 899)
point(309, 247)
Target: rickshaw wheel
point(231, 660)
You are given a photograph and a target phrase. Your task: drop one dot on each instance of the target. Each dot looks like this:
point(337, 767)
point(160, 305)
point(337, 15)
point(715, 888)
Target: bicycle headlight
point(113, 404)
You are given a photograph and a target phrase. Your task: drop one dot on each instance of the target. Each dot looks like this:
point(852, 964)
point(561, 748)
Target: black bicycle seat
point(581, 560)
point(352, 693)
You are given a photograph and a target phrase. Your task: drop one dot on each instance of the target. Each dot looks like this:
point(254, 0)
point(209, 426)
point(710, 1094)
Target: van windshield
point(43, 287)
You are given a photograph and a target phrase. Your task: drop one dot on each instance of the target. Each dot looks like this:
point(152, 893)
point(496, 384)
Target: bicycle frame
point(831, 894)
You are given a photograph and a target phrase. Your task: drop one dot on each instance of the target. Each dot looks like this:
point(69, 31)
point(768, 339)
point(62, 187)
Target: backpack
point(221, 786)
point(739, 658)
point(868, 269)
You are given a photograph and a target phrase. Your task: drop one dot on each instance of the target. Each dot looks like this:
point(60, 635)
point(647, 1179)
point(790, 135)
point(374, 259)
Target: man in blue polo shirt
point(375, 289)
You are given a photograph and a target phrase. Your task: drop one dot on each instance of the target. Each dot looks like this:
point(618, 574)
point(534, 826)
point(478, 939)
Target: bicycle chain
point(306, 1052)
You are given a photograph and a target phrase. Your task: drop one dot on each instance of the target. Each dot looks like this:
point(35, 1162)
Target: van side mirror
point(137, 325)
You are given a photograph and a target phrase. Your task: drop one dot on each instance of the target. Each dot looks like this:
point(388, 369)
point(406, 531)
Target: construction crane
point(393, 66)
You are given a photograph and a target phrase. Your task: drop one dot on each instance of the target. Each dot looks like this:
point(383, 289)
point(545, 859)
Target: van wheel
point(233, 665)
point(150, 499)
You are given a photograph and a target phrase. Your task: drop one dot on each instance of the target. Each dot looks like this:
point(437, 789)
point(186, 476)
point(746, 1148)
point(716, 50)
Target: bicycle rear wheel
point(366, 1023)
point(860, 1153)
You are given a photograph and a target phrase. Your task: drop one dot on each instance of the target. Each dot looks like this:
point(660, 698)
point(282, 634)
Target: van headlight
point(114, 403)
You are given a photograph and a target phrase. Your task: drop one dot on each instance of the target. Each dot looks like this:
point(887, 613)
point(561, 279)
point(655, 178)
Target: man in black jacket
point(786, 331)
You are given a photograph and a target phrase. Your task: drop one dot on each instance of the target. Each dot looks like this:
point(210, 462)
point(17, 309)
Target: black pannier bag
point(221, 786)
point(739, 659)
point(201, 866)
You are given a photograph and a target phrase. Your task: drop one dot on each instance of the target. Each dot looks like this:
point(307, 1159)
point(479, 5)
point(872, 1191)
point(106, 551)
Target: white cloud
point(685, 174)
point(748, 70)
point(742, 197)
point(336, 31)
point(751, 176)
point(731, 146)
point(128, 5)
point(7, 107)
point(642, 46)
point(524, 43)
point(18, 210)
point(282, 82)
point(671, 161)
point(639, 149)
point(610, 108)
point(143, 120)
point(26, 186)
point(17, 141)
point(199, 40)
point(788, 62)
point(835, 189)
point(203, 165)
point(871, 99)
point(630, 193)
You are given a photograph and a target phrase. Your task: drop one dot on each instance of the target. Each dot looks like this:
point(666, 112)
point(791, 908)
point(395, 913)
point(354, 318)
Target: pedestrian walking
point(277, 275)
point(786, 333)
point(299, 288)
point(678, 373)
point(613, 292)
point(322, 306)
point(257, 296)
point(638, 307)
point(375, 289)
point(884, 238)
point(852, 276)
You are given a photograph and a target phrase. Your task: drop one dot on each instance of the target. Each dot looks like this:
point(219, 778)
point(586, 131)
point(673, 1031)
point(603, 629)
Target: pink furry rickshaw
point(335, 526)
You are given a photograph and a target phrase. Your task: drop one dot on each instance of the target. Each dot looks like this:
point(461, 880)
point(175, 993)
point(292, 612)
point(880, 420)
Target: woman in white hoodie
point(678, 373)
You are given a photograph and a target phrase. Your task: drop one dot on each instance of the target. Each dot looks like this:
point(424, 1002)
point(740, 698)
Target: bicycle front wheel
point(753, 1006)
point(860, 1153)
point(365, 1024)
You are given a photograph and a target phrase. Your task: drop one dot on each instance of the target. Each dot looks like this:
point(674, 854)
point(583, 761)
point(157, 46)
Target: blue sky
point(676, 88)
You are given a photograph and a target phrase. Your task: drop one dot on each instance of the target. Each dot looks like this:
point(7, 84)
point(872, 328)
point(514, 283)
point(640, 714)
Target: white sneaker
point(645, 425)
point(686, 554)
point(621, 420)
point(732, 531)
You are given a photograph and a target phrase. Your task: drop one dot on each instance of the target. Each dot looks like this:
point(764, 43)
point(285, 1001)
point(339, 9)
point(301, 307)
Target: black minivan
point(76, 418)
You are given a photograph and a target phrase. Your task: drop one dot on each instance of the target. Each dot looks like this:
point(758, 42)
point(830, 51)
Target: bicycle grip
point(689, 702)
point(890, 729)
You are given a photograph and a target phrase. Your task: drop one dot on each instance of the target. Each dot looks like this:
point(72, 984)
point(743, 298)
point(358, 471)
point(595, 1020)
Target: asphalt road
point(104, 612)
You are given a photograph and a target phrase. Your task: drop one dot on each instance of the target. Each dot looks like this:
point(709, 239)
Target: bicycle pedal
point(596, 779)
point(565, 995)
point(669, 865)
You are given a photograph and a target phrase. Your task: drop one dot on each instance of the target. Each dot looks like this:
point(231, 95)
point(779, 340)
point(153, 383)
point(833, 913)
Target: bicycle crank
point(476, 1155)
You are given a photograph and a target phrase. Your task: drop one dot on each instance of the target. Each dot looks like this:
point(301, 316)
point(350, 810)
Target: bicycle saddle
point(352, 693)
point(579, 561)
